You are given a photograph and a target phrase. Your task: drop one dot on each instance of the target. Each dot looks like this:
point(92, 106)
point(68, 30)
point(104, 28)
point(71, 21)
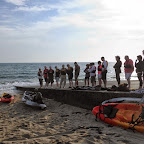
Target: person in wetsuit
point(51, 76)
point(117, 68)
point(57, 75)
point(139, 64)
point(99, 72)
point(77, 71)
point(45, 74)
point(40, 77)
point(70, 75)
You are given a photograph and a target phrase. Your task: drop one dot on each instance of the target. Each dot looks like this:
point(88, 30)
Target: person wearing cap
point(117, 68)
point(139, 64)
point(92, 71)
point(77, 71)
point(128, 68)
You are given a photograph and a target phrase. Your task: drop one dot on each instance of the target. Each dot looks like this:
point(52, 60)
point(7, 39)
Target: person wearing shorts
point(77, 71)
point(92, 71)
point(57, 75)
point(70, 75)
point(63, 76)
point(128, 68)
point(45, 74)
point(51, 76)
point(99, 72)
point(104, 71)
point(40, 78)
point(87, 74)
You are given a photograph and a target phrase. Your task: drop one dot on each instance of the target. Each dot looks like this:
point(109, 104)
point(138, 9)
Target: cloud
point(32, 9)
point(16, 2)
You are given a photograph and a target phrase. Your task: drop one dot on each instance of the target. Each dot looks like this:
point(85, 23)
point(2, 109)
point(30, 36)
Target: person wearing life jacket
point(40, 77)
point(63, 76)
point(104, 71)
point(92, 71)
point(139, 69)
point(70, 75)
point(99, 72)
point(57, 75)
point(87, 74)
point(51, 76)
point(117, 68)
point(45, 74)
point(128, 68)
point(77, 71)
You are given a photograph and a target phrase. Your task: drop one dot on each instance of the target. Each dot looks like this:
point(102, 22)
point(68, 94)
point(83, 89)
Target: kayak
point(6, 98)
point(123, 99)
point(126, 115)
point(29, 99)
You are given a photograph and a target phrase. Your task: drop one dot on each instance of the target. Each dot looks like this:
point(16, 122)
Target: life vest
point(100, 69)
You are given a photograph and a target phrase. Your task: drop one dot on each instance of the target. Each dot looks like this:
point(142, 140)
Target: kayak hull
point(5, 99)
point(123, 117)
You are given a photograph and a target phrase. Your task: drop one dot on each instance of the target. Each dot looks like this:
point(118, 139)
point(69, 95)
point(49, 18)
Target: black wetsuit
point(117, 68)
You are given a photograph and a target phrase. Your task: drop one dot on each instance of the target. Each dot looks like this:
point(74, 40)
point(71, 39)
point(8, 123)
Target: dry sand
point(58, 124)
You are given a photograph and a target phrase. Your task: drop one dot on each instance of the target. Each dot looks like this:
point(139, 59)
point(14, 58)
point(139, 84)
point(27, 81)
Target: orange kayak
point(126, 115)
point(6, 98)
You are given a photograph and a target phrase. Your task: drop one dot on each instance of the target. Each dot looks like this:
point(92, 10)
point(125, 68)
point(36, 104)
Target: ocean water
point(25, 74)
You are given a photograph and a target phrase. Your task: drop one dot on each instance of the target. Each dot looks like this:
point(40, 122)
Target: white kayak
point(123, 99)
point(28, 99)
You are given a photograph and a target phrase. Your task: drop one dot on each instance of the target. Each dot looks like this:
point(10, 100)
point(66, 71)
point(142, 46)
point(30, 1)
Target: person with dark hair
point(51, 76)
point(92, 71)
point(104, 71)
point(63, 76)
point(57, 75)
point(99, 72)
point(40, 77)
point(45, 74)
point(139, 69)
point(117, 68)
point(77, 71)
point(129, 68)
point(87, 74)
point(70, 75)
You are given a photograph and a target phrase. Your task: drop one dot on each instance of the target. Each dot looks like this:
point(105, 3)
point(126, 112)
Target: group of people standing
point(90, 72)
point(49, 75)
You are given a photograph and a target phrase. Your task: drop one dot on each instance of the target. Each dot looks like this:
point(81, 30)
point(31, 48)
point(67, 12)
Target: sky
point(70, 30)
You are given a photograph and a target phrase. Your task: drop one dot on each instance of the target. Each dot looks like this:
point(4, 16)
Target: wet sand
point(58, 124)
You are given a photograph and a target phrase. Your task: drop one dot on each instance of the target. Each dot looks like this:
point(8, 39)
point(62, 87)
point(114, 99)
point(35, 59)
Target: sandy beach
point(58, 124)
